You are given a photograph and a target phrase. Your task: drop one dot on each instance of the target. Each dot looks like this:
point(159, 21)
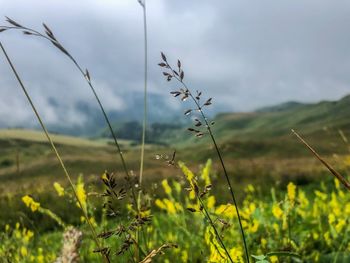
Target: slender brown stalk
point(179, 75)
point(143, 5)
point(327, 165)
point(92, 229)
point(144, 123)
point(52, 38)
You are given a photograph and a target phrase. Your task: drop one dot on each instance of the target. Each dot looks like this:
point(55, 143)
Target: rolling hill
point(267, 131)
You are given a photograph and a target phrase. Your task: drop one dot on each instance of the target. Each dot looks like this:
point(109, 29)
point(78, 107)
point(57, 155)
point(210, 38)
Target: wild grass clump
point(202, 127)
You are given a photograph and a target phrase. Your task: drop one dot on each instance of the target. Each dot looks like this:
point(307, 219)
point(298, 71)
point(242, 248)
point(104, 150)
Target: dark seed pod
point(192, 210)
point(188, 112)
point(208, 102)
point(163, 56)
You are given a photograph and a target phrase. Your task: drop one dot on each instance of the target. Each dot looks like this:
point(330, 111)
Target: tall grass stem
point(327, 165)
point(207, 125)
point(50, 37)
point(92, 229)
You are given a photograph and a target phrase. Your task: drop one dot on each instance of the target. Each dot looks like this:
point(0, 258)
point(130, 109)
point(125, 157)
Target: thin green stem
point(92, 229)
point(145, 92)
point(88, 80)
point(144, 123)
point(217, 234)
point(218, 152)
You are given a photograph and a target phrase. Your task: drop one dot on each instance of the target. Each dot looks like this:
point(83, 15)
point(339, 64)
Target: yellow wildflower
point(285, 223)
point(192, 195)
point(236, 254)
point(263, 242)
point(341, 224)
point(321, 195)
point(216, 251)
point(250, 188)
point(160, 204)
point(59, 189)
point(170, 207)
point(104, 176)
point(347, 209)
point(177, 186)
point(206, 172)
point(81, 194)
point(27, 235)
point(276, 228)
point(274, 259)
point(184, 256)
point(255, 226)
point(226, 210)
point(129, 207)
point(188, 174)
point(336, 183)
point(145, 213)
point(24, 251)
point(331, 218)
point(277, 211)
point(166, 186)
point(291, 188)
point(244, 223)
point(211, 202)
point(29, 202)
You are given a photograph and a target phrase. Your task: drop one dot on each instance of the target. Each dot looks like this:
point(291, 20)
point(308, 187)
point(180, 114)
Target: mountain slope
point(269, 130)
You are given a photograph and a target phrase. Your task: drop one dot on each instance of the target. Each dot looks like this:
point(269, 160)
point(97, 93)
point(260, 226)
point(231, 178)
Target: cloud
point(245, 54)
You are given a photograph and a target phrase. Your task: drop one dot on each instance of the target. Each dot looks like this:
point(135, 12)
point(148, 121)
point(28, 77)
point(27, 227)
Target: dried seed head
point(87, 74)
point(12, 22)
point(208, 102)
point(182, 75)
point(175, 93)
point(163, 56)
point(191, 209)
point(187, 112)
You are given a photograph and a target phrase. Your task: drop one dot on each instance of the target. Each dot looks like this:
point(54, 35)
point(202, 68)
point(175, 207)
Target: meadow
point(240, 189)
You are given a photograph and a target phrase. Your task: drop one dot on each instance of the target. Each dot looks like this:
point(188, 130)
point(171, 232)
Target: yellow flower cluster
point(59, 189)
point(29, 202)
point(81, 194)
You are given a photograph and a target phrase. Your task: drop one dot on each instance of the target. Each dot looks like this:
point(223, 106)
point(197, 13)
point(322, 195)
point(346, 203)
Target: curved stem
point(52, 145)
point(144, 99)
point(199, 108)
point(87, 79)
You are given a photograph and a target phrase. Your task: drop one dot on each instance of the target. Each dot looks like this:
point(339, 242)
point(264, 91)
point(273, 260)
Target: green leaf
point(283, 253)
point(260, 257)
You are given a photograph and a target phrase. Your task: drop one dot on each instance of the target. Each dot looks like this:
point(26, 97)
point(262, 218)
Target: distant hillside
point(268, 130)
point(281, 107)
point(39, 137)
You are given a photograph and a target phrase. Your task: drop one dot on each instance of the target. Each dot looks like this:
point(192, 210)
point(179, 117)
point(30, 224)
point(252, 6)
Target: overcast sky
point(246, 54)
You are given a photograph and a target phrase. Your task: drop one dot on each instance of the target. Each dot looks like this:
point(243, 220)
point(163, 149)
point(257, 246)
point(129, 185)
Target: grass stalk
point(92, 229)
point(179, 77)
point(52, 38)
point(327, 165)
point(144, 123)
